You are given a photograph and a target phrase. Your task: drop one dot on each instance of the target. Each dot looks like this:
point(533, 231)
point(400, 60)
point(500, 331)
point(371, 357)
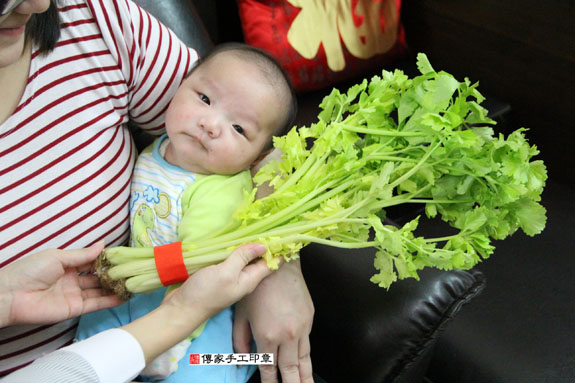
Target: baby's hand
point(216, 287)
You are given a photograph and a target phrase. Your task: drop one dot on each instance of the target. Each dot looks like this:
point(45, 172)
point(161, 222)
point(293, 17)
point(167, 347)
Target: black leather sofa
point(520, 329)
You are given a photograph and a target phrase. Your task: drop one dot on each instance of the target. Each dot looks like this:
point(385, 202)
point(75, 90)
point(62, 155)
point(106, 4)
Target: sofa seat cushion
point(520, 330)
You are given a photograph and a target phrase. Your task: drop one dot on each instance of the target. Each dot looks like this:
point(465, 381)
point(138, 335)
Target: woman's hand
point(216, 287)
point(204, 294)
point(280, 315)
point(47, 287)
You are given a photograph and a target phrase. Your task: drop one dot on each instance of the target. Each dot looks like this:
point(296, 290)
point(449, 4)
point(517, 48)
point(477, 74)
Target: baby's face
point(221, 117)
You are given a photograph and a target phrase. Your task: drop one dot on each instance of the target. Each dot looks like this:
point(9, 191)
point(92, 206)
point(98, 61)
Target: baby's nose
point(211, 126)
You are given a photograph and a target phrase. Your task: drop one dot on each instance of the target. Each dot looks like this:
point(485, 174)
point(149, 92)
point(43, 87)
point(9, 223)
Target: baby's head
point(223, 116)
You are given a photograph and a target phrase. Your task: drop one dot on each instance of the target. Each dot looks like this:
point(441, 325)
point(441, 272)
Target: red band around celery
point(170, 263)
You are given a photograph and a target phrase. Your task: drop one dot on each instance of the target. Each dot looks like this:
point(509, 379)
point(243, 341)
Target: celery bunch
point(389, 141)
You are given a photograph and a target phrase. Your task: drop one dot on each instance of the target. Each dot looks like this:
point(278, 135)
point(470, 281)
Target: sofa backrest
point(182, 18)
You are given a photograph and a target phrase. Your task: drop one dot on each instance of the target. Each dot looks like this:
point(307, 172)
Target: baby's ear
point(265, 157)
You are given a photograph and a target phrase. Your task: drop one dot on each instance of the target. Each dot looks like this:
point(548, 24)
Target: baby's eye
point(239, 129)
point(205, 98)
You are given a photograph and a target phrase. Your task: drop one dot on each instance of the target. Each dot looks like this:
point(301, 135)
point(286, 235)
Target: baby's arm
point(207, 208)
point(209, 203)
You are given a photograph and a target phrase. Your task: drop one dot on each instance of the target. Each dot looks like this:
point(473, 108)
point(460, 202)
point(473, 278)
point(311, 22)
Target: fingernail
point(258, 248)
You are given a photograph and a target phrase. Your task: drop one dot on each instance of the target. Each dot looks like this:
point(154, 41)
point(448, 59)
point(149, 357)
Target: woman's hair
point(44, 28)
point(272, 70)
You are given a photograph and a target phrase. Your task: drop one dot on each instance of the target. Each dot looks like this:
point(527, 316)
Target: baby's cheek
point(184, 115)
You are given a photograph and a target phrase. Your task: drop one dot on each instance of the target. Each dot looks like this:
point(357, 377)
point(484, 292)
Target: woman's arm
point(118, 355)
point(204, 294)
point(279, 316)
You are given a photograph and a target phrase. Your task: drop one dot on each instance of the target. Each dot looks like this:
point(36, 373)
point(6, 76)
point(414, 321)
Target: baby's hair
point(272, 71)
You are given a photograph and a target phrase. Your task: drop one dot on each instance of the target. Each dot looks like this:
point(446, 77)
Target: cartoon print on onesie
point(145, 218)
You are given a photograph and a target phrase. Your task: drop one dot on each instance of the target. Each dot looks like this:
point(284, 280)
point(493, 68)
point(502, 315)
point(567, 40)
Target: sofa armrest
point(363, 333)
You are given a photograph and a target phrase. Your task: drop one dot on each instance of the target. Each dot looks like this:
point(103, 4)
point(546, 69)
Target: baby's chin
point(224, 171)
point(195, 168)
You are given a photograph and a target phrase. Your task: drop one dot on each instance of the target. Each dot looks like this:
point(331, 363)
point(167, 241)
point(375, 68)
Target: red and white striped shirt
point(66, 156)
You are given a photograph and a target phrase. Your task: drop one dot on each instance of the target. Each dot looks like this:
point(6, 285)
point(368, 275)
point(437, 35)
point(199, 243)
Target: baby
point(188, 183)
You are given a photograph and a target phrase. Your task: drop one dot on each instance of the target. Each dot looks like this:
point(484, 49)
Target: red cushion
point(322, 42)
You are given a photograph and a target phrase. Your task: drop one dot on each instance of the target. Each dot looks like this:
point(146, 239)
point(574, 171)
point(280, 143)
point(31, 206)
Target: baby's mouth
point(197, 139)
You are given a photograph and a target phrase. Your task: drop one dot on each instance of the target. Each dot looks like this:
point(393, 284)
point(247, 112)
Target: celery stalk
point(390, 141)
